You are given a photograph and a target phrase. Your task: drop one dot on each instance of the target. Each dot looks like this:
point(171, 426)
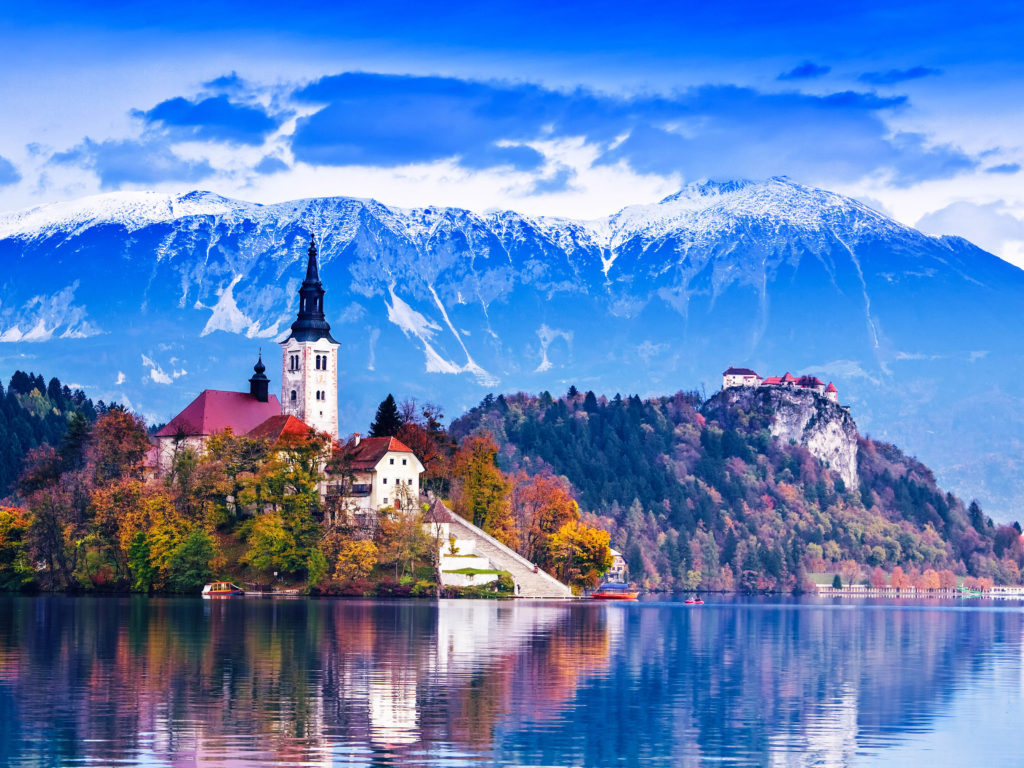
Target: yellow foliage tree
point(580, 554)
point(356, 560)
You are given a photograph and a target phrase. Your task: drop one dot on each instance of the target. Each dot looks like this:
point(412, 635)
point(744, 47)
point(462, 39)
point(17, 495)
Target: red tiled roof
point(739, 372)
point(810, 381)
point(215, 410)
point(789, 378)
point(372, 449)
point(772, 380)
point(831, 387)
point(282, 429)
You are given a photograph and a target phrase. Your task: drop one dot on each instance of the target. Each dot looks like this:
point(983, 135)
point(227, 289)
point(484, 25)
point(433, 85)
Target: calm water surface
point(185, 682)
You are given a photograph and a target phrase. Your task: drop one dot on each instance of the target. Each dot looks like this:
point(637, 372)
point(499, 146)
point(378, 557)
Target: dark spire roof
point(311, 324)
point(259, 384)
point(312, 272)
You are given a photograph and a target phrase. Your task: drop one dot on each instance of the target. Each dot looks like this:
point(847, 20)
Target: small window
point(384, 480)
point(391, 460)
point(385, 499)
point(294, 395)
point(403, 462)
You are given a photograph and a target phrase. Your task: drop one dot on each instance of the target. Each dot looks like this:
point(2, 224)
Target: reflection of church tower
point(309, 383)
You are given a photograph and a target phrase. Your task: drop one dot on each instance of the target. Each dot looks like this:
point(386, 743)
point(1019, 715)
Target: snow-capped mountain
point(149, 298)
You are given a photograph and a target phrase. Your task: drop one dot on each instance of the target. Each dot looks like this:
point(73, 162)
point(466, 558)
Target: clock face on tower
point(309, 379)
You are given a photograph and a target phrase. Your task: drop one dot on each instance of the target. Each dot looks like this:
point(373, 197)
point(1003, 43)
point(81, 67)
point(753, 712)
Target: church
point(308, 403)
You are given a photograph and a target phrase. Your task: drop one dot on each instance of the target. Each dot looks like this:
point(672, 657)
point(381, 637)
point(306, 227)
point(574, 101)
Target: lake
point(737, 681)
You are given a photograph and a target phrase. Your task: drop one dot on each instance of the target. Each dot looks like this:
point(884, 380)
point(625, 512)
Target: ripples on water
point(183, 682)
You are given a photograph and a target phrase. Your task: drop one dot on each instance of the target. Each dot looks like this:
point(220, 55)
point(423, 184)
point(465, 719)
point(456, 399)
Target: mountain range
point(148, 298)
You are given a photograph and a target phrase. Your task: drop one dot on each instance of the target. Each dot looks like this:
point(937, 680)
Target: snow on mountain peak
point(700, 208)
point(131, 209)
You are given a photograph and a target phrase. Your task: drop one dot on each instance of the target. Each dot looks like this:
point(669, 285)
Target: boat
point(613, 591)
point(222, 589)
point(693, 601)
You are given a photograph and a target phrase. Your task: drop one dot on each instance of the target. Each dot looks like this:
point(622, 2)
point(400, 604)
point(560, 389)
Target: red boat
point(615, 592)
point(222, 589)
point(694, 601)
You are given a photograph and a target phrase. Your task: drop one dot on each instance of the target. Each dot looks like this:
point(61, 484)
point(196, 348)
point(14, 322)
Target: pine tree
point(387, 422)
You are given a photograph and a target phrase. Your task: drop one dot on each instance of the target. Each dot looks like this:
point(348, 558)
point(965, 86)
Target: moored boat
point(693, 601)
point(615, 592)
point(222, 589)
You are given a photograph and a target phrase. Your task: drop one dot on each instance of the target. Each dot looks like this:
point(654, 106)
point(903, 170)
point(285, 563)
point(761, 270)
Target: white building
point(309, 379)
point(617, 573)
point(377, 472)
point(739, 377)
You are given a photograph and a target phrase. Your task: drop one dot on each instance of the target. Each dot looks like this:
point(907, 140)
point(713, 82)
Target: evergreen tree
point(388, 421)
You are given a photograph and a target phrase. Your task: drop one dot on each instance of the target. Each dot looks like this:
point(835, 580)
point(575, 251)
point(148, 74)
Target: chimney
point(356, 438)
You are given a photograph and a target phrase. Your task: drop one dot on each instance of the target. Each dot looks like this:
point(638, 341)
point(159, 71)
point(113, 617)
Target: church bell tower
point(309, 381)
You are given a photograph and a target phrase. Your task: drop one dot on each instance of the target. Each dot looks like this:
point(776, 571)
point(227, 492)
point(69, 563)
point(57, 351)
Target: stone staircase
point(531, 582)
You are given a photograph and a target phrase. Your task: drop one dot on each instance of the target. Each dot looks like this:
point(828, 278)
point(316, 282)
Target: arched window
point(294, 395)
point(324, 363)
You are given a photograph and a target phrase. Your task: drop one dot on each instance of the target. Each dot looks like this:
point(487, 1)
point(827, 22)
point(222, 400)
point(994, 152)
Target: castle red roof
point(282, 429)
point(372, 449)
point(831, 387)
point(739, 372)
point(789, 378)
point(810, 381)
point(772, 380)
point(215, 410)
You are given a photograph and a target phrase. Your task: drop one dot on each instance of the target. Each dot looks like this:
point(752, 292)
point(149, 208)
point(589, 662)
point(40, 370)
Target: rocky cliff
point(798, 416)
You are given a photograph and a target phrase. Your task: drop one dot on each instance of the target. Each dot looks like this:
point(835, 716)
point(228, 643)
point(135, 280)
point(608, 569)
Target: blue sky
point(565, 108)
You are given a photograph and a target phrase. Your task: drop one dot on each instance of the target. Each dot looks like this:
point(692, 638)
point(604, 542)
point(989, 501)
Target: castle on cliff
point(744, 377)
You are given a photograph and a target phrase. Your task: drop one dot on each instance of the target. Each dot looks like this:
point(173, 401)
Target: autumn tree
point(423, 432)
point(580, 554)
point(15, 567)
point(878, 580)
point(898, 579)
point(402, 541)
point(284, 494)
point(481, 492)
point(541, 505)
point(356, 560)
point(117, 446)
point(58, 502)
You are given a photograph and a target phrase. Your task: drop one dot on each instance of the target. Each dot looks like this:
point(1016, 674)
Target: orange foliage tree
point(541, 505)
point(899, 579)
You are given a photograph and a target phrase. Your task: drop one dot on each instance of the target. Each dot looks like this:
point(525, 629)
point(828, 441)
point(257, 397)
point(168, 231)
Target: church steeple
point(259, 384)
point(311, 324)
point(309, 370)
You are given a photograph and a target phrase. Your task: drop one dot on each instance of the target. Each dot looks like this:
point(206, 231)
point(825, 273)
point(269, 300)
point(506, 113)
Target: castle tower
point(309, 381)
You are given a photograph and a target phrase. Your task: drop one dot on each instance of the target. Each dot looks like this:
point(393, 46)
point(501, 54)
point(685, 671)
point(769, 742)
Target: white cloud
point(120, 378)
point(993, 226)
point(157, 373)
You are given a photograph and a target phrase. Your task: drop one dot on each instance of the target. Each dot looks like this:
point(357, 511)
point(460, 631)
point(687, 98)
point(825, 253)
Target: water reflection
point(297, 682)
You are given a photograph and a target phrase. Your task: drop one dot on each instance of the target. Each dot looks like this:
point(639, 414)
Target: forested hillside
point(702, 497)
point(34, 413)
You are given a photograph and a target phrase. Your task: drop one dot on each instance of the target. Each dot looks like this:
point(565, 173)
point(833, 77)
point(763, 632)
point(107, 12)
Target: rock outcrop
point(801, 416)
